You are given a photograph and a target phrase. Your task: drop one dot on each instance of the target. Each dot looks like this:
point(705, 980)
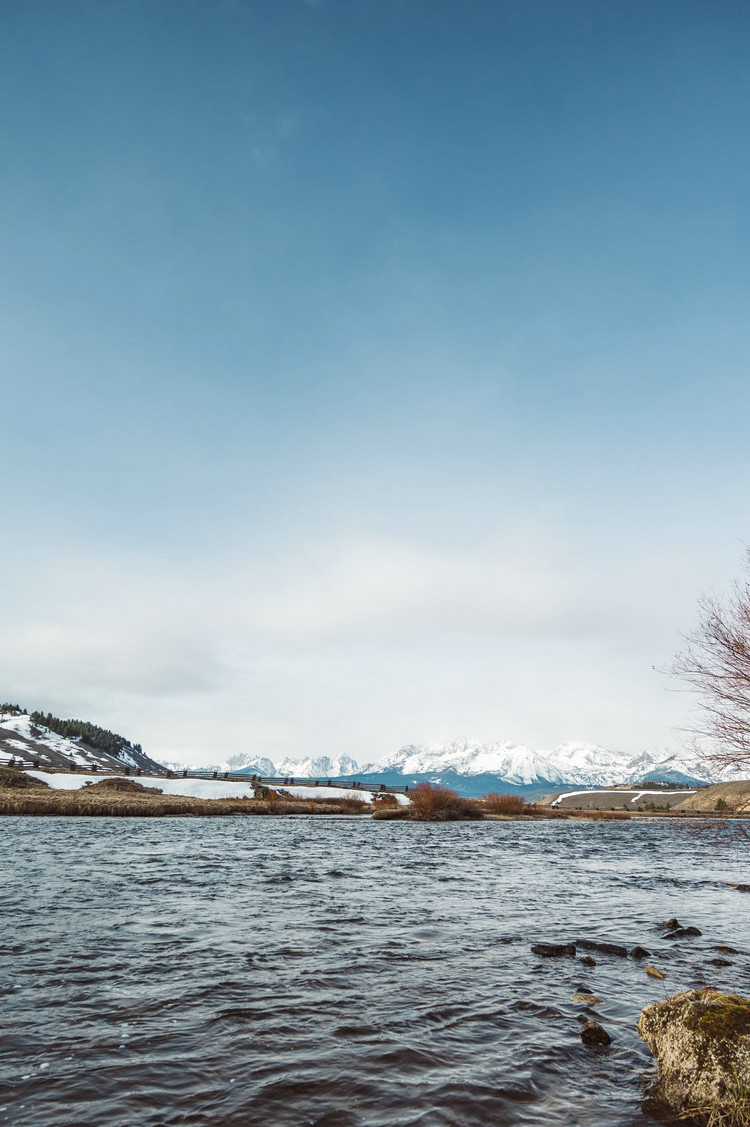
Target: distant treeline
point(94, 736)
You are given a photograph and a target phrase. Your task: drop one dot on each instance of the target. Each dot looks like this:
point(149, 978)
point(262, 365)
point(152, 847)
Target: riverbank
point(23, 794)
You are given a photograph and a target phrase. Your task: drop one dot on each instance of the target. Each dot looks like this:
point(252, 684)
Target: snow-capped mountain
point(29, 743)
point(475, 768)
point(581, 764)
point(322, 767)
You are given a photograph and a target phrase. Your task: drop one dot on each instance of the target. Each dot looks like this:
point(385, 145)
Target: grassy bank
point(20, 794)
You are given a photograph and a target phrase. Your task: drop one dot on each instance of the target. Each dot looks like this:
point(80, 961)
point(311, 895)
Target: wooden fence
point(220, 776)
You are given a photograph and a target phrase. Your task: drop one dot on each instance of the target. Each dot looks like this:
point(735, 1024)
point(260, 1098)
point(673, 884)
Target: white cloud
point(352, 645)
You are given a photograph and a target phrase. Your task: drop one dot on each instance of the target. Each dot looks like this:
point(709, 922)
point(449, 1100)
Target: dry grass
point(384, 802)
point(145, 802)
point(735, 1113)
point(12, 779)
point(121, 786)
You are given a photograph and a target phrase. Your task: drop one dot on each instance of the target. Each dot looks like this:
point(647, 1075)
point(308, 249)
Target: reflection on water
point(338, 972)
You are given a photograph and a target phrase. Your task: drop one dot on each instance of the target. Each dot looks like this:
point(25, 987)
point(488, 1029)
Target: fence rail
point(220, 776)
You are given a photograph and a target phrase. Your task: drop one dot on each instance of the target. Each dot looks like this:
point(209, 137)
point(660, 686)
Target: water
point(339, 972)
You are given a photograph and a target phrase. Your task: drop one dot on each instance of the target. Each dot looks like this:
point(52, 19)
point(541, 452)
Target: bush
point(384, 801)
point(438, 804)
point(504, 804)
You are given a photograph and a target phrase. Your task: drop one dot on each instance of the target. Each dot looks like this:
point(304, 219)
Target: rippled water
point(338, 972)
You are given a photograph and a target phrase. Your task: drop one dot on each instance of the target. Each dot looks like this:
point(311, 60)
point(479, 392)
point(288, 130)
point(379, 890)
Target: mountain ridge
point(468, 765)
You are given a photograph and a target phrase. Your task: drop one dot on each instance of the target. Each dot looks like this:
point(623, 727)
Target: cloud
point(364, 642)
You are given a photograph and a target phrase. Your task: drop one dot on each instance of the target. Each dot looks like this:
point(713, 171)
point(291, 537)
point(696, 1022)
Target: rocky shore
point(701, 1042)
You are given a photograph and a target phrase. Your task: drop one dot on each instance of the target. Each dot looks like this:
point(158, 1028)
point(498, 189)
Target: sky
point(372, 372)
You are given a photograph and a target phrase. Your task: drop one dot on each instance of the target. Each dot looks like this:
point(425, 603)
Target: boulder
point(605, 948)
point(681, 932)
point(553, 950)
point(671, 923)
point(701, 1042)
point(592, 1033)
point(588, 961)
point(639, 952)
point(654, 972)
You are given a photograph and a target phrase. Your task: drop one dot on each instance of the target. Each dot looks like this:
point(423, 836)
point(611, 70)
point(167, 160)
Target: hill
point(731, 798)
point(39, 740)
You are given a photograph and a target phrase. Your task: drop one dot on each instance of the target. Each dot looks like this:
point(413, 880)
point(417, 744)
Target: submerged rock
point(701, 1042)
point(589, 999)
point(671, 923)
point(592, 1033)
point(639, 952)
point(681, 932)
point(654, 972)
point(605, 948)
point(588, 961)
point(553, 950)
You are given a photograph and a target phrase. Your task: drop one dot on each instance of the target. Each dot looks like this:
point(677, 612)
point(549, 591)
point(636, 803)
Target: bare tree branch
point(715, 663)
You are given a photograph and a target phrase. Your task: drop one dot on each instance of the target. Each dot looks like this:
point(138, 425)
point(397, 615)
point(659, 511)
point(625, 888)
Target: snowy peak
point(585, 764)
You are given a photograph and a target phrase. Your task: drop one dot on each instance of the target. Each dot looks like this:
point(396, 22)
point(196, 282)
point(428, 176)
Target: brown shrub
point(384, 801)
point(438, 804)
point(504, 804)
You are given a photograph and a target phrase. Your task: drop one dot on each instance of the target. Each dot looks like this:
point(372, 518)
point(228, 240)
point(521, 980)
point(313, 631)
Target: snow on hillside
point(29, 741)
point(35, 737)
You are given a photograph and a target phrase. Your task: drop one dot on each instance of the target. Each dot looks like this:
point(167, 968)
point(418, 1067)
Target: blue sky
point(373, 371)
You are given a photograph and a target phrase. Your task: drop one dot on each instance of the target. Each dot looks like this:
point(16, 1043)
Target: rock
point(588, 961)
point(701, 1042)
point(723, 947)
point(593, 1034)
point(605, 948)
point(639, 952)
point(589, 999)
point(738, 887)
point(681, 932)
point(720, 963)
point(671, 923)
point(653, 972)
point(553, 950)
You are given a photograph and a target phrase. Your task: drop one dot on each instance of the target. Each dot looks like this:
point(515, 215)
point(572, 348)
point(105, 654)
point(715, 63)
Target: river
point(340, 972)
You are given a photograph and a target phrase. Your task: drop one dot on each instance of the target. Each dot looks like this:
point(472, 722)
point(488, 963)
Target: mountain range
point(474, 768)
